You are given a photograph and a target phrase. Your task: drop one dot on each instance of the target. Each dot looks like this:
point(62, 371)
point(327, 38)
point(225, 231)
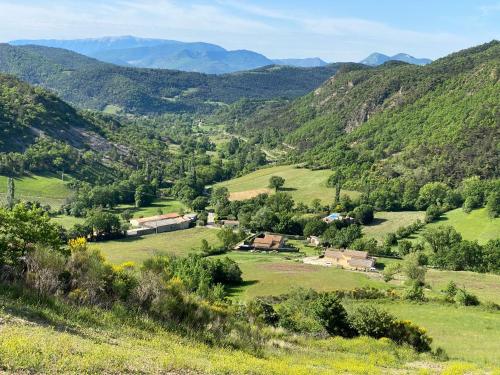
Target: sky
point(331, 29)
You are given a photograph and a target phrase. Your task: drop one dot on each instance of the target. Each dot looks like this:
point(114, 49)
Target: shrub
point(450, 291)
point(414, 292)
point(405, 332)
point(332, 315)
point(261, 312)
point(370, 321)
point(462, 297)
point(373, 322)
point(44, 267)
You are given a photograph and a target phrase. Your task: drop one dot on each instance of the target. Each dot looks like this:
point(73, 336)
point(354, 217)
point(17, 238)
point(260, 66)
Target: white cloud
point(232, 23)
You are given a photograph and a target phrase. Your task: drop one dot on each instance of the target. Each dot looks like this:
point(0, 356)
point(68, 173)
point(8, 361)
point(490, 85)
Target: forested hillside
point(436, 122)
point(88, 83)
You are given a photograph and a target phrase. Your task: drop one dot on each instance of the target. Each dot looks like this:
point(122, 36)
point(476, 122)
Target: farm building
point(314, 240)
point(144, 220)
point(350, 259)
point(233, 224)
point(335, 217)
point(269, 242)
point(160, 224)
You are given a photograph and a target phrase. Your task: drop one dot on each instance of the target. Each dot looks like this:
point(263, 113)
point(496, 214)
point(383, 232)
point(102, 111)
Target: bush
point(414, 292)
point(450, 291)
point(44, 267)
point(462, 297)
point(373, 322)
point(370, 321)
point(261, 312)
point(332, 315)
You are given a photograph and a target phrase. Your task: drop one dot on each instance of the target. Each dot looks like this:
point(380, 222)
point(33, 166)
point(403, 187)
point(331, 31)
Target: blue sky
point(333, 30)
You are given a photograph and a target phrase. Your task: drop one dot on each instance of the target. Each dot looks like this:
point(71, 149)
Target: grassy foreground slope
point(304, 185)
point(91, 340)
point(49, 189)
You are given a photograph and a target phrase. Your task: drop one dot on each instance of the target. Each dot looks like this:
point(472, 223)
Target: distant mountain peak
point(377, 58)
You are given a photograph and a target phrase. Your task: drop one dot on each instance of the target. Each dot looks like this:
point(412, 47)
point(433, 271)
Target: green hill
point(302, 184)
point(434, 122)
point(88, 83)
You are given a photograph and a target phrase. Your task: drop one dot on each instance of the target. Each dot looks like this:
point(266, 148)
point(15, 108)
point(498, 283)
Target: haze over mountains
point(199, 57)
point(376, 59)
point(169, 54)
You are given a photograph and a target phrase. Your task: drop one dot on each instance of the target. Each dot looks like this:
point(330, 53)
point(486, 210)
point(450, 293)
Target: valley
point(278, 220)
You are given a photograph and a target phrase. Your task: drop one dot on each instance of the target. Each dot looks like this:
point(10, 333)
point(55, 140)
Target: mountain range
point(376, 59)
point(91, 84)
point(169, 54)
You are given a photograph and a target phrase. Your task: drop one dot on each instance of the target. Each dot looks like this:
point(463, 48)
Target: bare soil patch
point(248, 194)
point(289, 267)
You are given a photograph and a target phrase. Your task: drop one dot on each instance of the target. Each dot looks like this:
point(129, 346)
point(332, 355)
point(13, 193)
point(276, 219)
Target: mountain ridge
point(435, 122)
point(168, 54)
point(91, 84)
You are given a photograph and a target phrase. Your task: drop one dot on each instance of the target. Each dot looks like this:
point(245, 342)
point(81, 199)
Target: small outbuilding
point(350, 259)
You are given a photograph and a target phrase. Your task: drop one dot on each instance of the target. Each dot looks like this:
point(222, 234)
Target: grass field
point(137, 249)
point(476, 225)
point(66, 221)
point(164, 205)
point(47, 189)
point(485, 286)
point(302, 184)
point(386, 222)
point(466, 333)
point(270, 274)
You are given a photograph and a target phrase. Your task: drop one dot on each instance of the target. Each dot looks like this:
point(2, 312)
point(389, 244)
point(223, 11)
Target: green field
point(466, 333)
point(302, 184)
point(47, 189)
point(274, 274)
point(476, 225)
point(137, 249)
point(485, 285)
point(164, 205)
point(387, 222)
point(66, 221)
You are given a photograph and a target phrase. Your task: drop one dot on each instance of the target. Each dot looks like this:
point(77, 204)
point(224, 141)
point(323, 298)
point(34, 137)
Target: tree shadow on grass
point(234, 290)
point(287, 189)
point(376, 221)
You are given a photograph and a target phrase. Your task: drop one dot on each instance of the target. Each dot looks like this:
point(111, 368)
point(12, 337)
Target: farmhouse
point(350, 259)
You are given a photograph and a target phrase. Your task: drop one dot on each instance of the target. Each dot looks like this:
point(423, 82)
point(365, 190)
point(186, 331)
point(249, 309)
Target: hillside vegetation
point(92, 340)
point(434, 122)
point(88, 83)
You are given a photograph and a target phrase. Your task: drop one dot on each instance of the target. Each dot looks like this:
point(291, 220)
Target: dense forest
point(437, 122)
point(91, 84)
